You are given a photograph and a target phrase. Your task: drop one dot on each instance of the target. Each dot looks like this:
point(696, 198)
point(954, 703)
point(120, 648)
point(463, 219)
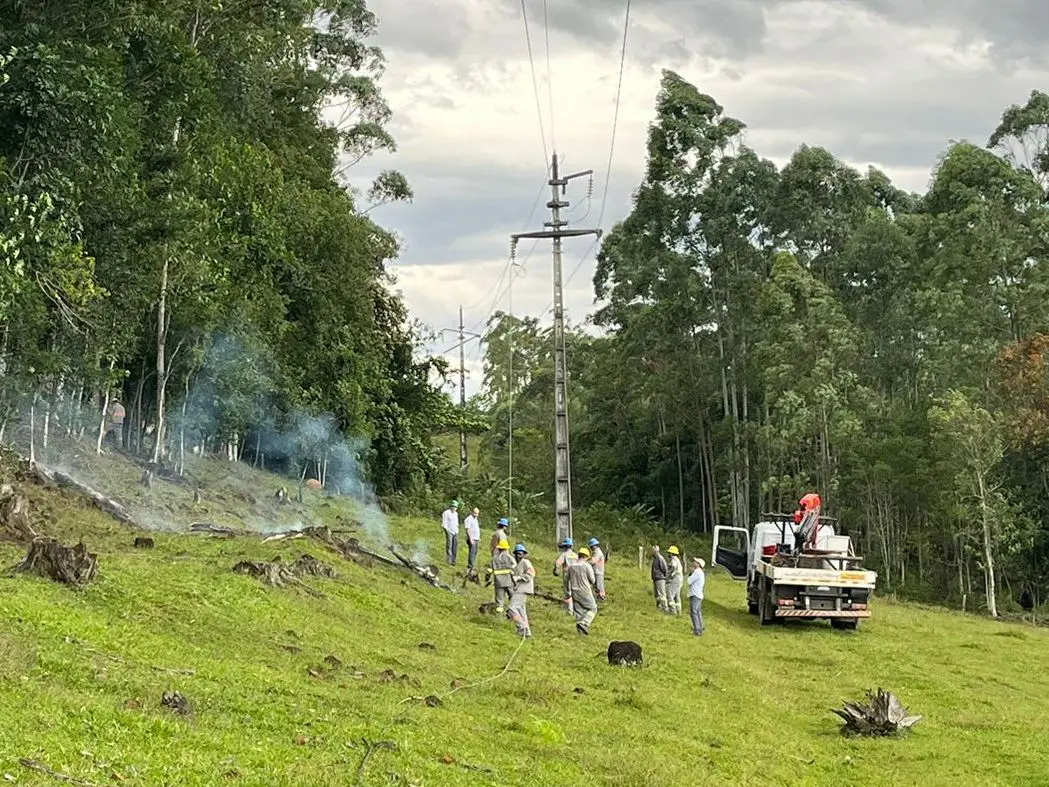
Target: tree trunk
point(105, 410)
point(182, 431)
point(162, 336)
point(988, 547)
point(32, 431)
point(680, 483)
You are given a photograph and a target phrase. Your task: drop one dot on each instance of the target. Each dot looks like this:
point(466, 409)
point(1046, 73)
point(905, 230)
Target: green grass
point(82, 673)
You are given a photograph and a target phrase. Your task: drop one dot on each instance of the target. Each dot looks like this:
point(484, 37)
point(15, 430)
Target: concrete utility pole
point(562, 457)
point(464, 337)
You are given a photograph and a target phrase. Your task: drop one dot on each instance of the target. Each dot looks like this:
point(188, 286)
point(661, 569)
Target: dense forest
point(177, 233)
point(770, 331)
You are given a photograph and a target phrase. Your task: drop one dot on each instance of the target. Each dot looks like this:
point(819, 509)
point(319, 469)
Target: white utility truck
point(797, 570)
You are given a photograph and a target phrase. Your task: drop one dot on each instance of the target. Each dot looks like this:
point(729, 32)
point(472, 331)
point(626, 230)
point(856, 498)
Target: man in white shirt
point(450, 523)
point(696, 581)
point(473, 538)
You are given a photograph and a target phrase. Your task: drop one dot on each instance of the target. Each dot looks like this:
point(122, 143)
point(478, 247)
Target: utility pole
point(556, 232)
point(464, 337)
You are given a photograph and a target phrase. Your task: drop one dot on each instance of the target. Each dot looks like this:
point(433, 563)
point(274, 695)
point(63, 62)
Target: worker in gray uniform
point(659, 579)
point(675, 578)
point(597, 560)
point(500, 573)
point(565, 558)
point(524, 586)
point(581, 581)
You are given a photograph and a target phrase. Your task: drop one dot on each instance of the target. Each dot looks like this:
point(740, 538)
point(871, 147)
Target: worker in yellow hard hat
point(500, 572)
point(675, 579)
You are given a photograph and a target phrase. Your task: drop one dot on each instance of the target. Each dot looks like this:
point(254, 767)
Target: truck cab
point(786, 579)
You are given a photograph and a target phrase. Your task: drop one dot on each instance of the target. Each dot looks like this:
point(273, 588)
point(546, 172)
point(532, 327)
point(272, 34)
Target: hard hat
point(455, 504)
point(567, 542)
point(593, 542)
point(504, 522)
point(503, 544)
point(674, 551)
point(520, 548)
point(584, 552)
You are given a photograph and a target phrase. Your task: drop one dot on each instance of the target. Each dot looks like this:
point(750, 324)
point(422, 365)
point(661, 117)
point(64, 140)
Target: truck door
point(731, 550)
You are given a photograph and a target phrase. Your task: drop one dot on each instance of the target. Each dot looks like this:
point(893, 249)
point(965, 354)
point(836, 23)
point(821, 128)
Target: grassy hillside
point(82, 674)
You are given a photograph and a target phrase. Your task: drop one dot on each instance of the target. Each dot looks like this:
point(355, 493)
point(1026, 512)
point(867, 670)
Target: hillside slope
point(82, 674)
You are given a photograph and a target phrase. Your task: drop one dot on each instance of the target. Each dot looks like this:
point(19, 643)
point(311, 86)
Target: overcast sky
point(884, 82)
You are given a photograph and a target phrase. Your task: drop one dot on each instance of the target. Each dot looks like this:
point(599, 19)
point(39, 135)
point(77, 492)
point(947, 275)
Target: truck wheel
point(752, 608)
point(766, 610)
point(844, 625)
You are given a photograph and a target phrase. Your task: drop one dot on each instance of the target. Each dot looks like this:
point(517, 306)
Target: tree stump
point(624, 654)
point(14, 514)
point(144, 542)
point(173, 700)
point(882, 715)
point(73, 566)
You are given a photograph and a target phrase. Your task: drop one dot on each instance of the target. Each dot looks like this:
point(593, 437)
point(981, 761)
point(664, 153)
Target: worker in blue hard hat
point(565, 558)
point(524, 586)
point(581, 582)
point(502, 533)
point(597, 560)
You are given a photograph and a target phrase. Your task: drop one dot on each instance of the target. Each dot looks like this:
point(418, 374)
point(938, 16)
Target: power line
point(549, 77)
point(611, 148)
point(535, 83)
point(615, 116)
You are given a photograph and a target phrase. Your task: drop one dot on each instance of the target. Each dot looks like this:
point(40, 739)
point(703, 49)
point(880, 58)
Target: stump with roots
point(279, 574)
point(73, 566)
point(883, 715)
point(14, 514)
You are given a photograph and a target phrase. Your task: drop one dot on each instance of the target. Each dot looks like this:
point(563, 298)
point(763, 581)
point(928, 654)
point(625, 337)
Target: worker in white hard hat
point(696, 582)
point(581, 583)
point(500, 574)
point(523, 579)
point(675, 578)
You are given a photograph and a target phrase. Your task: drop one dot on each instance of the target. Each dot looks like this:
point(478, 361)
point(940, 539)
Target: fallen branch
point(103, 503)
point(428, 573)
point(371, 749)
point(221, 530)
point(39, 767)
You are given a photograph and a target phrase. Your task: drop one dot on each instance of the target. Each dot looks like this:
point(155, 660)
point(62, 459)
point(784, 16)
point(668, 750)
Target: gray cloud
point(889, 82)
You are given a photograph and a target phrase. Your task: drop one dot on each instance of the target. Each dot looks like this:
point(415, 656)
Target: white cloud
point(878, 82)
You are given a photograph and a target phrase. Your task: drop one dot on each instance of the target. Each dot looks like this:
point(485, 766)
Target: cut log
point(103, 503)
point(144, 542)
point(882, 715)
point(73, 566)
point(14, 514)
point(624, 654)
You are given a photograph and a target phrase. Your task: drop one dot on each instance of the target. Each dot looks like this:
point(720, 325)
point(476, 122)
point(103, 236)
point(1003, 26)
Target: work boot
point(582, 629)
